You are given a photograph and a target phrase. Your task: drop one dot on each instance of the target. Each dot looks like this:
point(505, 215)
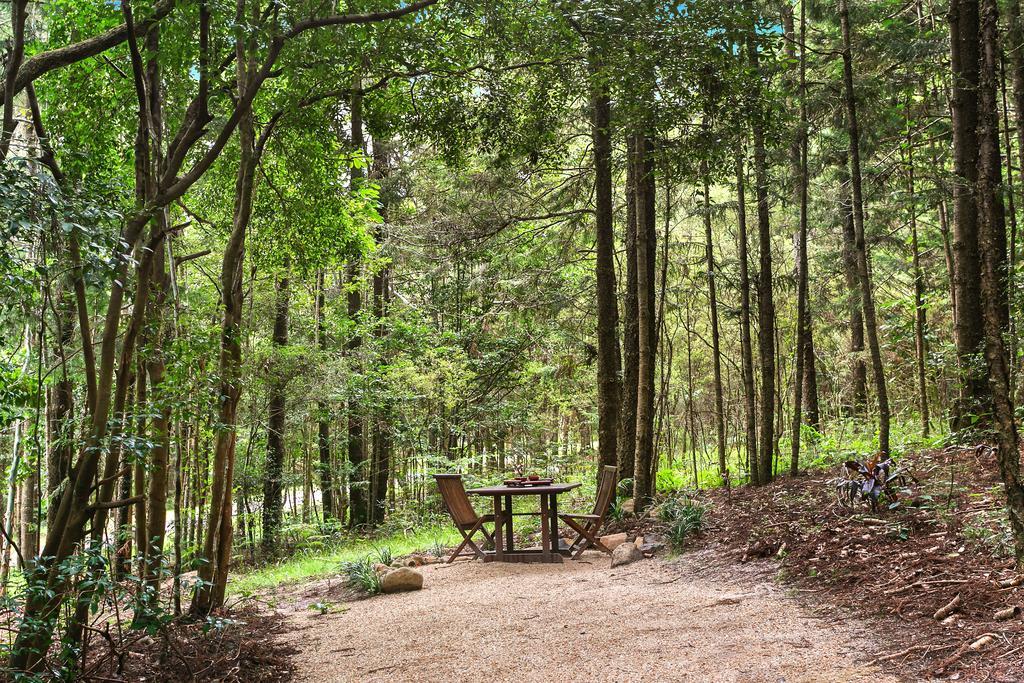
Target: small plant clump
point(437, 549)
point(685, 518)
point(362, 574)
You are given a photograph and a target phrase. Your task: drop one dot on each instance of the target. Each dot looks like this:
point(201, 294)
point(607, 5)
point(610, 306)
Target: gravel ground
point(580, 621)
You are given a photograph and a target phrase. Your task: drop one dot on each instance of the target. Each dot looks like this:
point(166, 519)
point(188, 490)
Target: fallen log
point(947, 609)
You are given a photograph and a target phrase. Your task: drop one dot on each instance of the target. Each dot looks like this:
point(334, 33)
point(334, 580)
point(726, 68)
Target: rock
point(649, 549)
point(402, 579)
point(625, 554)
point(639, 542)
point(612, 541)
point(381, 568)
point(629, 506)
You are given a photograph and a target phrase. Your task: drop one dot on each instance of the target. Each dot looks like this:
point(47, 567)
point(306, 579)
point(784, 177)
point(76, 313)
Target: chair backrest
point(605, 490)
point(455, 499)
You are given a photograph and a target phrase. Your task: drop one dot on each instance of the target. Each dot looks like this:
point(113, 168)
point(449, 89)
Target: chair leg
point(597, 545)
point(584, 537)
point(589, 535)
point(467, 539)
point(458, 551)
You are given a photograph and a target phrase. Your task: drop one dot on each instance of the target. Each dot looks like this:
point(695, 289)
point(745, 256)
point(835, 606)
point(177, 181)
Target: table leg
point(499, 521)
point(545, 531)
point(553, 514)
point(508, 521)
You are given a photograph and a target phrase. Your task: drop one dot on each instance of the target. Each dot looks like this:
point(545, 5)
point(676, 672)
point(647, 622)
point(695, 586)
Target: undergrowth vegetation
point(326, 562)
point(684, 518)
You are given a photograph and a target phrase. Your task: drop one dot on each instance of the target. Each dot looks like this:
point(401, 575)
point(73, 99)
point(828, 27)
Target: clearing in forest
point(579, 621)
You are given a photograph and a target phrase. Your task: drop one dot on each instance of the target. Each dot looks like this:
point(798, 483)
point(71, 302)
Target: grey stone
point(625, 554)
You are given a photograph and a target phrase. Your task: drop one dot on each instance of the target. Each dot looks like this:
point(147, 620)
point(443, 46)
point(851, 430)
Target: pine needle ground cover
point(896, 567)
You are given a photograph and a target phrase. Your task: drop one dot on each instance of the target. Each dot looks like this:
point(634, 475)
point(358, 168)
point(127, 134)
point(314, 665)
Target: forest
point(266, 268)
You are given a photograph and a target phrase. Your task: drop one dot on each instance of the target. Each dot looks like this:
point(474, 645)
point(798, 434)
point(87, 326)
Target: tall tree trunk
point(992, 249)
point(1011, 212)
point(919, 309)
point(276, 419)
point(608, 360)
point(646, 249)
point(15, 55)
point(716, 353)
point(323, 420)
point(179, 519)
point(382, 443)
point(802, 316)
point(630, 329)
point(746, 346)
point(765, 296)
point(1015, 37)
point(213, 573)
point(60, 417)
point(156, 499)
point(29, 511)
point(359, 484)
point(139, 468)
point(975, 395)
point(150, 304)
point(863, 259)
point(812, 407)
point(858, 368)
point(664, 341)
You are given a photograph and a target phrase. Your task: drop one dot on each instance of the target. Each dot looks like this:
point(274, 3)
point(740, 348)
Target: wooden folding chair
point(466, 519)
point(587, 526)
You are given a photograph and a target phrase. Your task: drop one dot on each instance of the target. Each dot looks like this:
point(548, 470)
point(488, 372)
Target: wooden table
point(504, 549)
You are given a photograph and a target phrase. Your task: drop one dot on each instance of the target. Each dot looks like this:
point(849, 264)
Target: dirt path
point(581, 621)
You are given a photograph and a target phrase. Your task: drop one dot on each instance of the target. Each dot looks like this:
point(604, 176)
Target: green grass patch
point(312, 565)
point(842, 440)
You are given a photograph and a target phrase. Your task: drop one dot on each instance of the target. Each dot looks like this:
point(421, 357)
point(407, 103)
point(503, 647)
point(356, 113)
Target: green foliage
point(302, 566)
point(95, 587)
point(18, 392)
point(684, 517)
point(456, 254)
point(384, 555)
point(363, 575)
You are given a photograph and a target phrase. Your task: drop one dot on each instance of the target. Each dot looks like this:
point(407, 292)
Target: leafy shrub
point(670, 480)
point(685, 517)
